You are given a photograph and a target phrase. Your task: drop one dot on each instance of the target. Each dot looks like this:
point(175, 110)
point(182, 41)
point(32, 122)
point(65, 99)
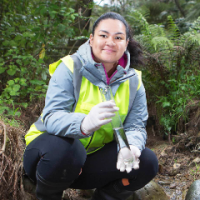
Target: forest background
point(34, 34)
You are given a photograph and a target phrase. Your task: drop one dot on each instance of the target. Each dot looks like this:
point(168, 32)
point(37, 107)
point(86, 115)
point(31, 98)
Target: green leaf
point(44, 75)
point(13, 93)
point(6, 43)
point(71, 10)
point(2, 69)
point(12, 43)
point(28, 34)
point(53, 14)
point(17, 113)
point(11, 82)
point(18, 38)
point(25, 105)
point(23, 82)
point(61, 28)
point(43, 11)
point(18, 61)
point(73, 17)
point(166, 104)
point(37, 82)
point(11, 71)
point(16, 87)
point(40, 61)
point(3, 108)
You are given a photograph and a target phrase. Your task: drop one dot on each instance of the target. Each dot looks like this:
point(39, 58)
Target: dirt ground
point(177, 171)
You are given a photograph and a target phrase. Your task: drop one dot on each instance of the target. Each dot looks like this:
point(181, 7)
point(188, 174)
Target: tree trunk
point(179, 8)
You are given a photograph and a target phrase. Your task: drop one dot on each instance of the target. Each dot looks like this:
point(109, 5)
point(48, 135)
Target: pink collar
point(122, 62)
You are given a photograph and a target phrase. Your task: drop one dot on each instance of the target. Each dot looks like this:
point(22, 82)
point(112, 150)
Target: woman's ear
point(91, 39)
point(127, 43)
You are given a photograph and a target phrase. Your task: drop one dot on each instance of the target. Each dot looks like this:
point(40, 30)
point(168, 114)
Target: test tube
point(120, 136)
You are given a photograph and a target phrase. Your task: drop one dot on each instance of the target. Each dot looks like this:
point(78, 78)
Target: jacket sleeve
point(135, 123)
point(58, 117)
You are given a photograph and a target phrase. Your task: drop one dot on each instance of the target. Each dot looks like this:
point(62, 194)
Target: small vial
point(120, 136)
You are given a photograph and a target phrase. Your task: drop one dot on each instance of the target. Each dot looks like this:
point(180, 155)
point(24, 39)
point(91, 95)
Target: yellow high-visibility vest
point(90, 96)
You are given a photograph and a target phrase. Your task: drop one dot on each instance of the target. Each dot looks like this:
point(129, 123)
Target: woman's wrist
point(83, 131)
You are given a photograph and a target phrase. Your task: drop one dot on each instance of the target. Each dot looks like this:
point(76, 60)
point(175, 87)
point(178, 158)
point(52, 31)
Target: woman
point(72, 144)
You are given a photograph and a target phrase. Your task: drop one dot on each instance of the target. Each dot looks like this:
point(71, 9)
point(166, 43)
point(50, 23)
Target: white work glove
point(98, 116)
point(128, 159)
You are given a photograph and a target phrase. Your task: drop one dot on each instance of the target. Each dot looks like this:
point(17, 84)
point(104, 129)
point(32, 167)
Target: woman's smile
point(109, 50)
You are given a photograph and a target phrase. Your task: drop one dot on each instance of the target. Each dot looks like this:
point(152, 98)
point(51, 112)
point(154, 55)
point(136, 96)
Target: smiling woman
point(72, 144)
point(108, 43)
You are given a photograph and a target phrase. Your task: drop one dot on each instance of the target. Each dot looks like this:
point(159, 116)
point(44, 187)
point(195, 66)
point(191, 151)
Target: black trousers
point(60, 160)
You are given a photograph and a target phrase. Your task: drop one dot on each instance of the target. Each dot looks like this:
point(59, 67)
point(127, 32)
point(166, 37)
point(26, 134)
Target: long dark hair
point(134, 47)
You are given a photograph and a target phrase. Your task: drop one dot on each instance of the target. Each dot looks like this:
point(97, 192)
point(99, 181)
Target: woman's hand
point(99, 115)
point(128, 159)
point(136, 153)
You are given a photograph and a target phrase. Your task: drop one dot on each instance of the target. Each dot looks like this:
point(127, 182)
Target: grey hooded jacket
point(61, 98)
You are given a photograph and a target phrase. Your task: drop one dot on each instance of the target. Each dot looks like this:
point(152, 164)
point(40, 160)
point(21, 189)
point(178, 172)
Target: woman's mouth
point(109, 50)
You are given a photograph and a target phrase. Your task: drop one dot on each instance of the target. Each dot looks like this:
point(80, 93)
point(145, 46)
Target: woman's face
point(109, 41)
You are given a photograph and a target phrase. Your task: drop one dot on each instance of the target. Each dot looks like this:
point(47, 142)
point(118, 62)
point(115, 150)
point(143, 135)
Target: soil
point(176, 168)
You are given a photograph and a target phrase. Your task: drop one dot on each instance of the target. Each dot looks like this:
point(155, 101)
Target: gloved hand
point(128, 159)
point(98, 116)
point(136, 153)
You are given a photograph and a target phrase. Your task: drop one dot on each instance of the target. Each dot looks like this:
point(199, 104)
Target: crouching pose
point(72, 144)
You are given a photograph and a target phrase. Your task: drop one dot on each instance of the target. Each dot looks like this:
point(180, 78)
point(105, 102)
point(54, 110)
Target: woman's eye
point(118, 38)
point(103, 36)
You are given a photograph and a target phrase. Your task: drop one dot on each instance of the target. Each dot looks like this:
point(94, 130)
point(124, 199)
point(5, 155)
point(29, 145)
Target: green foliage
point(140, 25)
point(172, 75)
point(11, 122)
point(33, 34)
point(164, 42)
point(180, 92)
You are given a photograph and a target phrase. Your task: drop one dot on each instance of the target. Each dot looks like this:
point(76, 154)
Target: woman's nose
point(110, 42)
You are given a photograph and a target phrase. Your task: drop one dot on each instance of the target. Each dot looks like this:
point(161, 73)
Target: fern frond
point(193, 38)
point(172, 28)
point(162, 42)
point(139, 20)
point(144, 10)
point(196, 25)
point(157, 30)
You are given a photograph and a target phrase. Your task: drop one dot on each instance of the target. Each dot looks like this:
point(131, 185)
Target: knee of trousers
point(149, 163)
point(63, 161)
